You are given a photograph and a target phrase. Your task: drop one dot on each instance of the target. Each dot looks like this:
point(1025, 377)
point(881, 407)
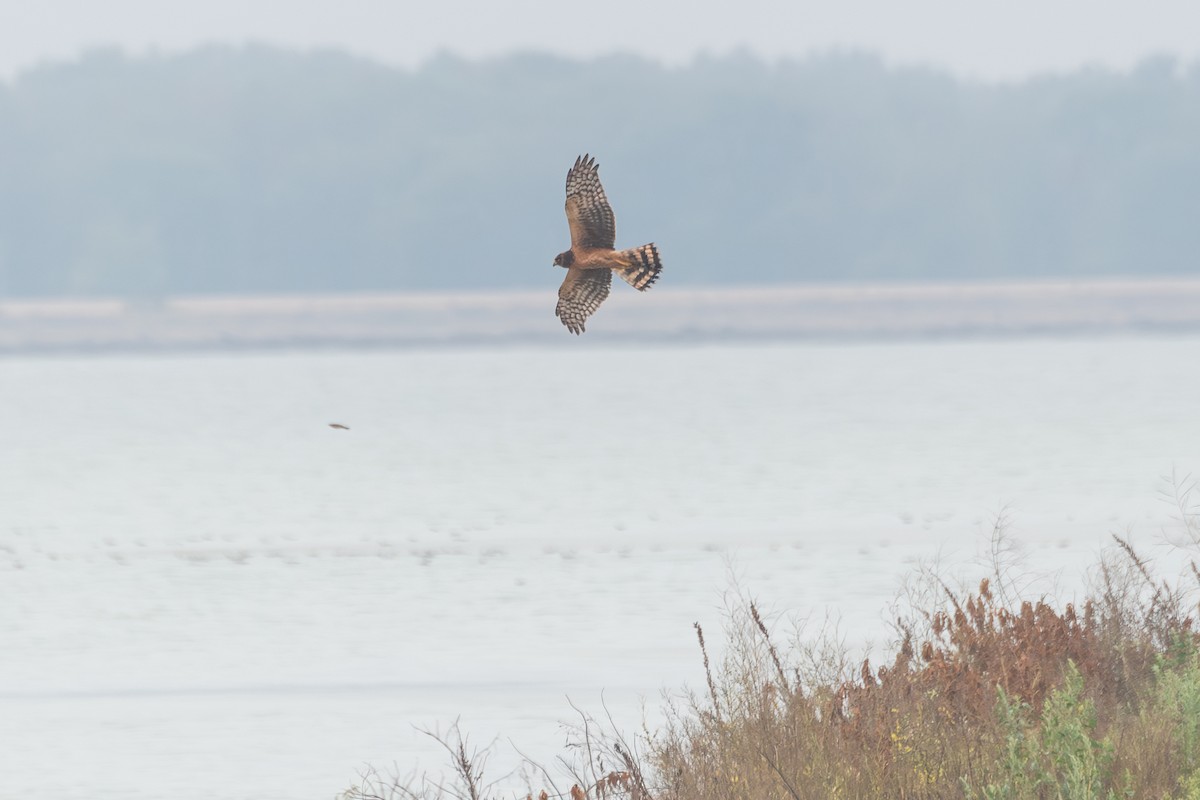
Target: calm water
point(206, 591)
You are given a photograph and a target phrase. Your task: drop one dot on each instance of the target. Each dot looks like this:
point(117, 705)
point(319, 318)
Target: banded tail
point(643, 267)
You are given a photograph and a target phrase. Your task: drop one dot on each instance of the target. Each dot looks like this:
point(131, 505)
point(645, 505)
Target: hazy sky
point(996, 40)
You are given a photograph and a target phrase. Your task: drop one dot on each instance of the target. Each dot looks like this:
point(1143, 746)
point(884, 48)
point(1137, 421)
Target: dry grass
point(987, 696)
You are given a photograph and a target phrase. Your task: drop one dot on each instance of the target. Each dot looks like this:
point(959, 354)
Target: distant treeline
point(260, 170)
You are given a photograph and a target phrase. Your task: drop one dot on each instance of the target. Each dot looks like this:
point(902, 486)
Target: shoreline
point(802, 311)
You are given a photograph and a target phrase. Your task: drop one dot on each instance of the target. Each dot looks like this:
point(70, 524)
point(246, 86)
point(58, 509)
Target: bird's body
point(592, 259)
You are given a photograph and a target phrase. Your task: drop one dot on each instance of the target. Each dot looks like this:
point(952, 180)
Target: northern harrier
point(592, 260)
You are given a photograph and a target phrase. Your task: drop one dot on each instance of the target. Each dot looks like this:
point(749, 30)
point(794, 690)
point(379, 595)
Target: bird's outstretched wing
point(588, 212)
point(581, 293)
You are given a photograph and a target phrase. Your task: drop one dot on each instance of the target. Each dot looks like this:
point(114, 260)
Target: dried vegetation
point(988, 696)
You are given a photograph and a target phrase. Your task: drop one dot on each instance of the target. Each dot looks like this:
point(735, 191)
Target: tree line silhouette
point(253, 169)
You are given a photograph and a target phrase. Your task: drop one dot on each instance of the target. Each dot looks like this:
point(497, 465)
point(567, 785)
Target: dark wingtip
point(574, 327)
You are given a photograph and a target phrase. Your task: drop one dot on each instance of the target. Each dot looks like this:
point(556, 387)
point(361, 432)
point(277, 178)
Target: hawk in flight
point(591, 261)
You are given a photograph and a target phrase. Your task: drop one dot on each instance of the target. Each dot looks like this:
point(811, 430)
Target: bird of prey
point(591, 261)
point(338, 426)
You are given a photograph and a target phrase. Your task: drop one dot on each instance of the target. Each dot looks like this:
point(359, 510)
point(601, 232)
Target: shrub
point(987, 696)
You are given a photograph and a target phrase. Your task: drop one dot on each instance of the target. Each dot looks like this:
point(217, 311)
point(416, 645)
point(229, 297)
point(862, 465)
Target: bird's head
point(564, 260)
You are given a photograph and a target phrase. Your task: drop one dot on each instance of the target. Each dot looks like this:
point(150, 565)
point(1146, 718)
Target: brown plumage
point(338, 426)
point(592, 260)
